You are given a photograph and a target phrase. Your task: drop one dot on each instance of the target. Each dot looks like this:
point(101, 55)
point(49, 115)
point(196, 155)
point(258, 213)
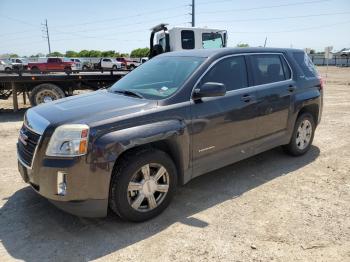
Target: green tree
point(55, 54)
point(71, 53)
point(37, 55)
point(109, 53)
point(94, 53)
point(83, 53)
point(117, 54)
point(13, 56)
point(140, 52)
point(242, 45)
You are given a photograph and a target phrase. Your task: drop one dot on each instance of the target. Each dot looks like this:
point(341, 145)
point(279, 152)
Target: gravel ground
point(269, 207)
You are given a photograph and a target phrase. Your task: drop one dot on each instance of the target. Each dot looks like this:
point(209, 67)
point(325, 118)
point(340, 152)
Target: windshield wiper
point(128, 93)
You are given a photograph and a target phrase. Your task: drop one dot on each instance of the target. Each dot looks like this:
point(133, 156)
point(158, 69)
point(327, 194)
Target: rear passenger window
point(305, 63)
point(268, 69)
point(230, 71)
point(187, 39)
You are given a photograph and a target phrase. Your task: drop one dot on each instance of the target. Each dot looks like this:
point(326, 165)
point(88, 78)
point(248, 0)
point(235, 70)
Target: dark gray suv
point(176, 117)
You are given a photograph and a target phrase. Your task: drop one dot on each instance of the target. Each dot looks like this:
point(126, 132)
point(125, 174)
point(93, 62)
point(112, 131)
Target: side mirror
point(209, 89)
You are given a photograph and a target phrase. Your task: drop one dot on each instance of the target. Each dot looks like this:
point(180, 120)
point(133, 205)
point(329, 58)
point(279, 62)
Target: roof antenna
point(265, 41)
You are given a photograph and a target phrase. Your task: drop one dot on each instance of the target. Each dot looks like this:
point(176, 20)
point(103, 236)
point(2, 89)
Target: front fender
point(110, 146)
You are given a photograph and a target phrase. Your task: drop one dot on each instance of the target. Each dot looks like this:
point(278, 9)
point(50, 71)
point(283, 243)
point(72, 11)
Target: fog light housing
point(61, 183)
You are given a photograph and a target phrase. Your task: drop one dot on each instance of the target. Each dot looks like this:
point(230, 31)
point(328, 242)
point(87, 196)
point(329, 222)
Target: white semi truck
point(184, 38)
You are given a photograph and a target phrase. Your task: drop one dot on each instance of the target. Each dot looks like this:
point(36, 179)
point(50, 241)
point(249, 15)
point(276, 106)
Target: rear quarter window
point(269, 68)
point(305, 64)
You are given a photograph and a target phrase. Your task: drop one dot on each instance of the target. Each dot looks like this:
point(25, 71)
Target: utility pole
point(47, 36)
point(192, 14)
point(265, 42)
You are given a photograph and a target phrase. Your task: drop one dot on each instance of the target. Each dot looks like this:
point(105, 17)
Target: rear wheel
point(142, 185)
point(114, 67)
point(45, 93)
point(303, 135)
point(8, 70)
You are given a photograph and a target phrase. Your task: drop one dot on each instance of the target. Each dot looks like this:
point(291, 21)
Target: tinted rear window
point(268, 69)
point(305, 63)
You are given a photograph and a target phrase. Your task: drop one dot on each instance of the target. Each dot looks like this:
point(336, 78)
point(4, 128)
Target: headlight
point(69, 140)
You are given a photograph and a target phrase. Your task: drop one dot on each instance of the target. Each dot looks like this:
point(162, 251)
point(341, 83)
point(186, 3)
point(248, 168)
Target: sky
point(125, 25)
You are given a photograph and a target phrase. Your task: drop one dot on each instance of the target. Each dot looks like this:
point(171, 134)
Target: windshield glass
point(159, 78)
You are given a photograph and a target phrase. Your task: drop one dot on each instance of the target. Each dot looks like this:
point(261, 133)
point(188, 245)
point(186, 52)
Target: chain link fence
point(337, 60)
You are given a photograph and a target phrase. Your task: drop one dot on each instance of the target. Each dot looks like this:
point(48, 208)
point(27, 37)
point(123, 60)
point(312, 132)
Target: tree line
point(138, 52)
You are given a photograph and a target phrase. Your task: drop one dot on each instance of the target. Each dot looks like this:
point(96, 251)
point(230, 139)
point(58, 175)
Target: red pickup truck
point(52, 64)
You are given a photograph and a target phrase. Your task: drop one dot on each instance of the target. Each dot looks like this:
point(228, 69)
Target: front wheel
point(302, 136)
point(143, 184)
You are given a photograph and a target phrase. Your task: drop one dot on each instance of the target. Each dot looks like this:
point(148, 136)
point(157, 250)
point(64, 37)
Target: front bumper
point(87, 191)
point(86, 208)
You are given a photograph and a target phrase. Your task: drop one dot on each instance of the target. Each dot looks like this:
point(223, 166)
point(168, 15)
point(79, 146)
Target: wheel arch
point(167, 136)
point(167, 146)
point(313, 109)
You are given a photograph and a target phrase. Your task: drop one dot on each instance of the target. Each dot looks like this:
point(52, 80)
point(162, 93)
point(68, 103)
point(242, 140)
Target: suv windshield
point(159, 78)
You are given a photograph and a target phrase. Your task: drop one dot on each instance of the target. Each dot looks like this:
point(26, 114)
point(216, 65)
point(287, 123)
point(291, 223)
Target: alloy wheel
point(148, 187)
point(304, 134)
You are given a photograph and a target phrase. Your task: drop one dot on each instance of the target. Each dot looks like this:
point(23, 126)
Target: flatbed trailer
point(51, 85)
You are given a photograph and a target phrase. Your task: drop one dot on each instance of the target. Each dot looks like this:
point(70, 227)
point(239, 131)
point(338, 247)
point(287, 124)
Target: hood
point(91, 108)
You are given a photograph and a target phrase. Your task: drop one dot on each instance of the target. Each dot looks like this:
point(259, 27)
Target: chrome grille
point(27, 144)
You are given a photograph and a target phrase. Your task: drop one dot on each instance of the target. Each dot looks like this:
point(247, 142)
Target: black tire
point(68, 70)
point(293, 147)
point(8, 70)
point(114, 67)
point(53, 91)
point(125, 171)
point(85, 67)
point(132, 67)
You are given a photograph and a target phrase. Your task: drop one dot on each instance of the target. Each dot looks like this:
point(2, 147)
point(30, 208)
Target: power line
point(211, 21)
point(126, 17)
point(292, 30)
point(19, 21)
point(16, 33)
point(265, 7)
point(213, 2)
point(142, 22)
point(276, 18)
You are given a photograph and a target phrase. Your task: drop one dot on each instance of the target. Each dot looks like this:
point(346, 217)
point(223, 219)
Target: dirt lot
point(269, 207)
